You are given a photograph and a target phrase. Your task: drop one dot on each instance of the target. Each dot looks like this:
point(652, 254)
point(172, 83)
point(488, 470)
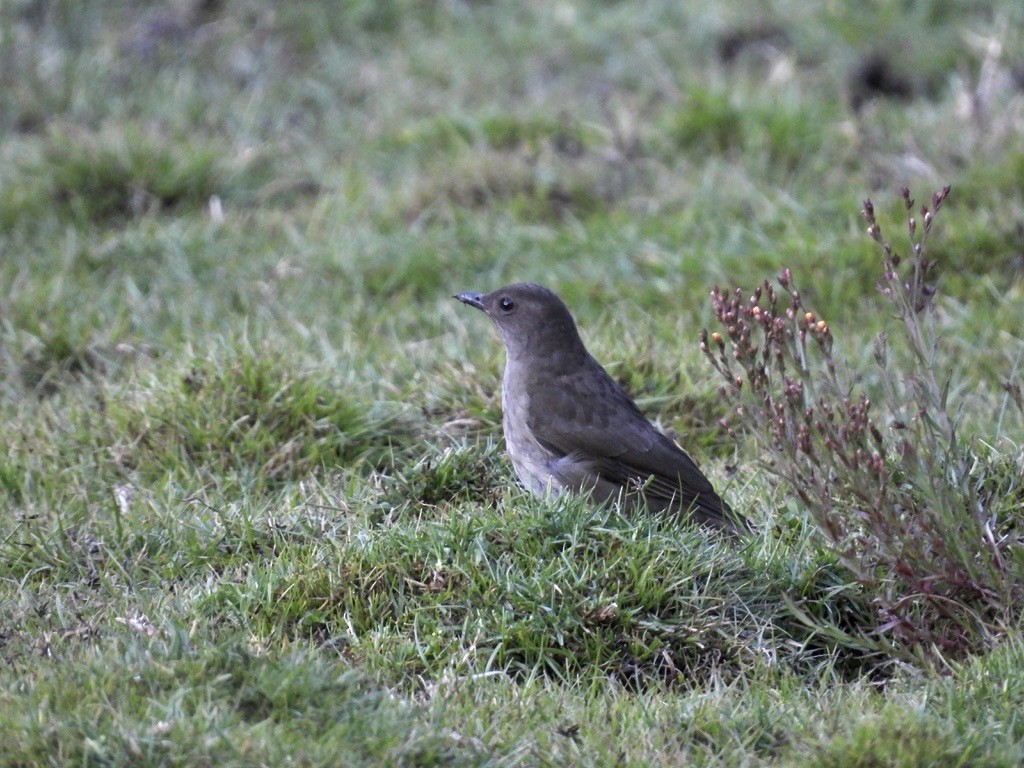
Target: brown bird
point(569, 426)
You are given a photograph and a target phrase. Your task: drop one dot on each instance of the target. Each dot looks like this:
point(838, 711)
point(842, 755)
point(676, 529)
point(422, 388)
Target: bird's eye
point(506, 304)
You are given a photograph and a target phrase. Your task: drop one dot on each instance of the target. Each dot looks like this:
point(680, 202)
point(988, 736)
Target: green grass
point(254, 503)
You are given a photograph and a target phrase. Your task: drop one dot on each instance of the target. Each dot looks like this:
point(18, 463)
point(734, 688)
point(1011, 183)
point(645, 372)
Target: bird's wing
point(590, 418)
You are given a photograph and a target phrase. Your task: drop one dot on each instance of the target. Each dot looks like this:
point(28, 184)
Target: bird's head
point(530, 318)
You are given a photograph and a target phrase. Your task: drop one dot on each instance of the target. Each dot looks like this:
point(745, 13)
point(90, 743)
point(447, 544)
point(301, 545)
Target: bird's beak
point(473, 299)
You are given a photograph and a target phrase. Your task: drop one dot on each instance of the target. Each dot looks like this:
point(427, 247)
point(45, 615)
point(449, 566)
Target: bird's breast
point(532, 462)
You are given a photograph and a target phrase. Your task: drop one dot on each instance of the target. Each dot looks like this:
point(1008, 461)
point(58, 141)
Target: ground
point(255, 505)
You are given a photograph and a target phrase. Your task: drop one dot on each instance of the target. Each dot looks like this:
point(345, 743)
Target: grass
point(255, 504)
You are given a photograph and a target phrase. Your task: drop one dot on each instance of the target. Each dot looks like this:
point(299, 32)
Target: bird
point(569, 426)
